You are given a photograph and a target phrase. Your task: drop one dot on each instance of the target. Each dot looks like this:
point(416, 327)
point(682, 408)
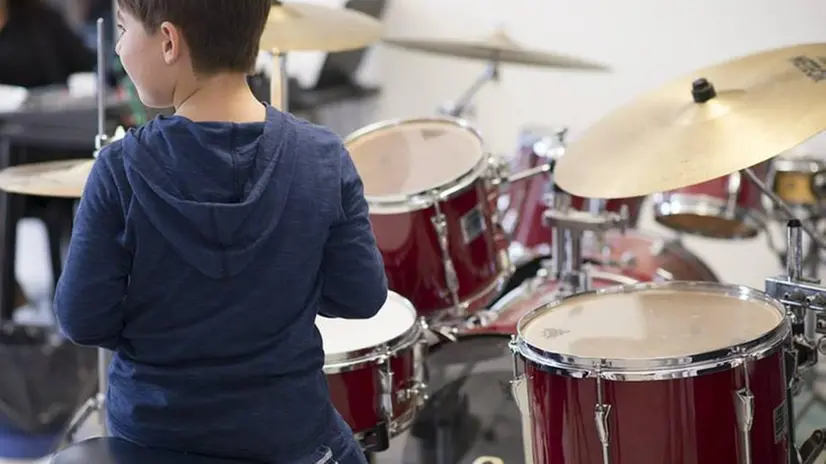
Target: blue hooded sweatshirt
point(201, 254)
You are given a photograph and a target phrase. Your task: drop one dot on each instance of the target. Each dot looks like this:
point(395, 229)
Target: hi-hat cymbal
point(306, 27)
point(64, 179)
point(498, 47)
point(765, 103)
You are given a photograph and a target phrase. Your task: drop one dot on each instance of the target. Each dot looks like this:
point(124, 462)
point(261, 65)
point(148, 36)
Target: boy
point(205, 244)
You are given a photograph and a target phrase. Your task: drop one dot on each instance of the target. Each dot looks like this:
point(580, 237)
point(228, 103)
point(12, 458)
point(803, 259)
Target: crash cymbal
point(306, 27)
point(64, 179)
point(497, 47)
point(764, 104)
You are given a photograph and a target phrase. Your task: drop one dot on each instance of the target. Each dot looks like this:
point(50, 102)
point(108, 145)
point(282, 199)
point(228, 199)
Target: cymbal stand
point(458, 108)
point(805, 302)
point(97, 402)
point(280, 82)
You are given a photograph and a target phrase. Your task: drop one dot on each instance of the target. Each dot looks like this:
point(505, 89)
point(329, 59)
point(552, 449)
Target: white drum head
point(650, 323)
point(341, 336)
point(413, 156)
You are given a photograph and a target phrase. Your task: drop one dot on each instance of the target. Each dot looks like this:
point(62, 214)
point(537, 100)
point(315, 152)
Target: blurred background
point(48, 48)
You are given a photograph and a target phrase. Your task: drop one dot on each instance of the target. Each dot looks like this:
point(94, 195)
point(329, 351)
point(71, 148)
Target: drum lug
point(386, 388)
point(601, 413)
point(733, 187)
point(439, 221)
point(745, 413)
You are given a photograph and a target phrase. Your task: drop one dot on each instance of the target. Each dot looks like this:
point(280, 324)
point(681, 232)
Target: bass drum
point(643, 256)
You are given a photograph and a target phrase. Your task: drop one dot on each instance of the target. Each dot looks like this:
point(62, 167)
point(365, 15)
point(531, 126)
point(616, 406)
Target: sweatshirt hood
point(215, 191)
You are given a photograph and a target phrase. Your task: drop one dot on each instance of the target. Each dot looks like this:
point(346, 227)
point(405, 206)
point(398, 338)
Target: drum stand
point(805, 302)
point(95, 403)
point(568, 228)
point(458, 108)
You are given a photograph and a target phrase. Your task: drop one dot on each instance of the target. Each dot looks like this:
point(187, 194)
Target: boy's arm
point(94, 281)
point(354, 285)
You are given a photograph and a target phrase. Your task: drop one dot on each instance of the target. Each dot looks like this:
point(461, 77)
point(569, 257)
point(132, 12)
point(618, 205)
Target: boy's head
point(167, 43)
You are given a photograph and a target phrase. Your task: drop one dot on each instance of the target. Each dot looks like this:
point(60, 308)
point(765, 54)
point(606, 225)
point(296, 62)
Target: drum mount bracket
point(568, 228)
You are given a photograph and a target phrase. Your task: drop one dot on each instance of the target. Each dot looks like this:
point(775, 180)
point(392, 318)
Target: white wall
point(647, 42)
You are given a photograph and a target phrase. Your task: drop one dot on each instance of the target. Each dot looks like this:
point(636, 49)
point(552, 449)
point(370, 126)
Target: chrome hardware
point(813, 447)
point(568, 227)
point(733, 187)
point(440, 223)
point(745, 413)
point(386, 385)
point(417, 391)
point(601, 413)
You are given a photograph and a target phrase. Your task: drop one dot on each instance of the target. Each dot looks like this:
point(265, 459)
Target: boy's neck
point(225, 97)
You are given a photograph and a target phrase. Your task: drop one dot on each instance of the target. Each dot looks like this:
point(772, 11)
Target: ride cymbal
point(64, 179)
point(306, 27)
point(498, 47)
point(747, 110)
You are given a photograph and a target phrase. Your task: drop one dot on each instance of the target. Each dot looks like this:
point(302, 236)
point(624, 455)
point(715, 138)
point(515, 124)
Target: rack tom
point(728, 207)
point(375, 370)
point(528, 199)
point(799, 182)
point(428, 184)
point(659, 372)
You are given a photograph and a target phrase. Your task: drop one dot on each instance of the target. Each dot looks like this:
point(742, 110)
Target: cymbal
point(765, 103)
point(308, 27)
point(64, 179)
point(498, 47)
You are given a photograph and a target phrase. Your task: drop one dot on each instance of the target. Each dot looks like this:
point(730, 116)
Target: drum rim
point(510, 298)
point(350, 360)
point(409, 202)
point(708, 206)
point(805, 164)
point(661, 368)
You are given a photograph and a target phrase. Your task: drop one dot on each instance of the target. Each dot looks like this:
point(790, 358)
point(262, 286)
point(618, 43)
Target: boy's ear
point(171, 41)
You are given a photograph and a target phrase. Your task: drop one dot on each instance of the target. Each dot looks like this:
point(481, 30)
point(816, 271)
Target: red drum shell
point(413, 260)
point(657, 419)
point(401, 166)
point(701, 209)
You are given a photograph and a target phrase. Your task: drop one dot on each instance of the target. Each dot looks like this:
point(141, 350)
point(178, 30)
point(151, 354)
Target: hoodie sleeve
point(354, 283)
point(94, 281)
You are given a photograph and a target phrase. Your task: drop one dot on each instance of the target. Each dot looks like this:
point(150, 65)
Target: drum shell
point(688, 421)
point(355, 389)
point(702, 209)
point(654, 258)
point(413, 259)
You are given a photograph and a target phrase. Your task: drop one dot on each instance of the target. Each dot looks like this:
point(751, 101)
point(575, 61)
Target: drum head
point(415, 156)
point(471, 411)
point(393, 320)
point(652, 321)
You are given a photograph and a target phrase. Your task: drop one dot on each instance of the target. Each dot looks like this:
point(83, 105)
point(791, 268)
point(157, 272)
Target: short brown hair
point(223, 35)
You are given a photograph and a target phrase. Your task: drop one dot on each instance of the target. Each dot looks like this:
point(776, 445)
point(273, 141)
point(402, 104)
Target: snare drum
point(795, 181)
point(728, 207)
point(676, 372)
point(375, 370)
point(527, 198)
point(427, 182)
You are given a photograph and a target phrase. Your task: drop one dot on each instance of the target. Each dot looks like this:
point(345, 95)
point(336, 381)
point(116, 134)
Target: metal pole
point(279, 82)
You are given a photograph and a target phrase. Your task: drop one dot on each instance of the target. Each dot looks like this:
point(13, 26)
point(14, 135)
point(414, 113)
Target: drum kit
point(624, 346)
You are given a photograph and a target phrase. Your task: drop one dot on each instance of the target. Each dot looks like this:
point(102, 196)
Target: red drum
point(504, 315)
point(728, 207)
point(523, 220)
point(428, 182)
point(375, 370)
point(674, 372)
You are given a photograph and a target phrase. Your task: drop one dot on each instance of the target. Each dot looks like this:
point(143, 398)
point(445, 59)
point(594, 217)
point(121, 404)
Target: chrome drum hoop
point(352, 360)
point(665, 368)
point(396, 204)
